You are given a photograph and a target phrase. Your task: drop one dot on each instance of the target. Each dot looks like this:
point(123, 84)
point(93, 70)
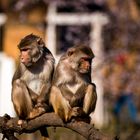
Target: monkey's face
point(84, 65)
point(30, 54)
point(80, 59)
point(25, 57)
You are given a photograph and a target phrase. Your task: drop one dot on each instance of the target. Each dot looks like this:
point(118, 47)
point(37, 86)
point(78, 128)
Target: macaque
point(32, 80)
point(72, 93)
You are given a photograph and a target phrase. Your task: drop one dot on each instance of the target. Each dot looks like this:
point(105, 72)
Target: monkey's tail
point(44, 132)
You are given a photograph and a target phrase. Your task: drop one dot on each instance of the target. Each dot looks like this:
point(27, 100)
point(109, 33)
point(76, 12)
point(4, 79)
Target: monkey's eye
point(82, 59)
point(25, 49)
point(85, 59)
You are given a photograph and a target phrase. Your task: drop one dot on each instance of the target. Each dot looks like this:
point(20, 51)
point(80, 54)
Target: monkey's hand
point(39, 104)
point(74, 112)
point(43, 105)
point(78, 111)
point(38, 110)
point(77, 114)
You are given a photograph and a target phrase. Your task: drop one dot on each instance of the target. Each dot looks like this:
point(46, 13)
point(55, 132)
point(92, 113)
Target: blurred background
point(110, 27)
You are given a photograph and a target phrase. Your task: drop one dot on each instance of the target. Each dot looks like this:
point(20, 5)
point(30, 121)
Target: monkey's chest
point(33, 82)
point(73, 87)
point(35, 85)
point(76, 95)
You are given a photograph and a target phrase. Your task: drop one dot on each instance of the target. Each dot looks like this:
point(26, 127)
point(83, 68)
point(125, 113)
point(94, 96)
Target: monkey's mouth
point(83, 71)
point(27, 64)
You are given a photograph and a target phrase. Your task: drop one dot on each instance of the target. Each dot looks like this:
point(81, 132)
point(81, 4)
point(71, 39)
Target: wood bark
point(9, 126)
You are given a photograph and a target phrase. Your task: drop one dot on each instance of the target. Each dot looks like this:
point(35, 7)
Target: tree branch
point(8, 126)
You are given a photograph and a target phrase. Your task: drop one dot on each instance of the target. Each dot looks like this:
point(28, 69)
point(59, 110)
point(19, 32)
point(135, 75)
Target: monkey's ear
point(70, 51)
point(40, 42)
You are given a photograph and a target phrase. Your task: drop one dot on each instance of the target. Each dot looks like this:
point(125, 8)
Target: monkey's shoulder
point(49, 57)
point(93, 84)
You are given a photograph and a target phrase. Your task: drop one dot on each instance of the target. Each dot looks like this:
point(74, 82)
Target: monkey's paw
point(36, 112)
point(73, 112)
point(76, 111)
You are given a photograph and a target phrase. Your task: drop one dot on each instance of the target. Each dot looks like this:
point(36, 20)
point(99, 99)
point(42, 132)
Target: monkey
point(32, 79)
point(72, 92)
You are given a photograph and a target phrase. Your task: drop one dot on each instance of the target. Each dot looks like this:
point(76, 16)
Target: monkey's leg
point(21, 99)
point(23, 103)
point(90, 99)
point(37, 112)
point(60, 105)
point(33, 95)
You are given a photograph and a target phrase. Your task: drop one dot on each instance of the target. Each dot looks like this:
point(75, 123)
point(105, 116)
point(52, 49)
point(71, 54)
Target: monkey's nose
point(88, 67)
point(22, 59)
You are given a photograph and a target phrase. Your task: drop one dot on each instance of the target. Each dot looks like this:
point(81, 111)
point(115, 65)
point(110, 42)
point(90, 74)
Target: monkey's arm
point(40, 102)
point(77, 99)
point(90, 99)
point(18, 73)
point(44, 93)
point(46, 83)
point(66, 93)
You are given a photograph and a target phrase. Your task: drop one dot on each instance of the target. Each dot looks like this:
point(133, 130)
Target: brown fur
point(32, 80)
point(72, 92)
